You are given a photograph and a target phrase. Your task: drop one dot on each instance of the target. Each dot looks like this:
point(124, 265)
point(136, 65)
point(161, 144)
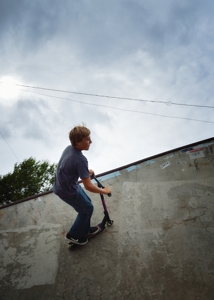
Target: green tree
point(29, 178)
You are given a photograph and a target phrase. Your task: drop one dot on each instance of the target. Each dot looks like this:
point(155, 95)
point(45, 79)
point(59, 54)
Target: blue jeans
point(82, 204)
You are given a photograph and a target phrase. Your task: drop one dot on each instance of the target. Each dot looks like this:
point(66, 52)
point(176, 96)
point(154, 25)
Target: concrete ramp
point(27, 251)
point(160, 246)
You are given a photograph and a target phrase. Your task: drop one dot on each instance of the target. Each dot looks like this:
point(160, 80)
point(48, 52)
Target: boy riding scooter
point(72, 166)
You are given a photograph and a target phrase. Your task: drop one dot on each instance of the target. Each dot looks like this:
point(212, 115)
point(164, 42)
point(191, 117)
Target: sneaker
point(94, 230)
point(81, 241)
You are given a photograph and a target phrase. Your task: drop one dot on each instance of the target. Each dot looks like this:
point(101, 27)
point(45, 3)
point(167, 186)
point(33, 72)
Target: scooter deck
point(89, 236)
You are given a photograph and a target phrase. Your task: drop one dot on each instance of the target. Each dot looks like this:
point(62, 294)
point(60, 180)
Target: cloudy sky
point(153, 59)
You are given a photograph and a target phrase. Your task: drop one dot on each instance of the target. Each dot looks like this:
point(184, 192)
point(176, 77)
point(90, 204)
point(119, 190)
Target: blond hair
point(78, 133)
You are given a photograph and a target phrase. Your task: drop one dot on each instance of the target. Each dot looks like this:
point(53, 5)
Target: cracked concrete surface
point(31, 240)
point(160, 246)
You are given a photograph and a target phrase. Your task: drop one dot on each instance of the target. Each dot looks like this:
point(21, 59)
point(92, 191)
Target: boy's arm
point(89, 186)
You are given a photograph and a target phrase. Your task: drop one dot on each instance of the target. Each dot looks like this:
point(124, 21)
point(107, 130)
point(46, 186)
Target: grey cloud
point(102, 32)
point(35, 119)
point(27, 24)
point(25, 118)
point(5, 132)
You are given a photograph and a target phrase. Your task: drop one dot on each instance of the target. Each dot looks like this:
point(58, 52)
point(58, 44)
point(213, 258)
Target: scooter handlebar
point(99, 184)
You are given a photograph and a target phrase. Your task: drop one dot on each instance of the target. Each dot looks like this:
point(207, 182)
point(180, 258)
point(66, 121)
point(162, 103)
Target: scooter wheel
point(109, 223)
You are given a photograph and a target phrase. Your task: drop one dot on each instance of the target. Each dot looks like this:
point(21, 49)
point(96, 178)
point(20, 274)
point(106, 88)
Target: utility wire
point(122, 109)
point(9, 146)
point(114, 97)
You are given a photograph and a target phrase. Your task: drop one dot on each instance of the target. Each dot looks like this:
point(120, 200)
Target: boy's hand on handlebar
point(106, 190)
point(91, 173)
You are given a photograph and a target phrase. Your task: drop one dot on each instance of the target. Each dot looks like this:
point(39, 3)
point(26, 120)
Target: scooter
point(106, 219)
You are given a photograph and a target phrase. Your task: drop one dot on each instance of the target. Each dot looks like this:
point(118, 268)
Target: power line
point(9, 146)
point(122, 109)
point(114, 97)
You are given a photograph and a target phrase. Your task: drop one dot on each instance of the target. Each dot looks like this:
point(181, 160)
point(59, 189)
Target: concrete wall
point(159, 247)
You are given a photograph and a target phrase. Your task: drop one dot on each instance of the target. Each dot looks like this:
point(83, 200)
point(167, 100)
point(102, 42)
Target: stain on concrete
point(30, 256)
